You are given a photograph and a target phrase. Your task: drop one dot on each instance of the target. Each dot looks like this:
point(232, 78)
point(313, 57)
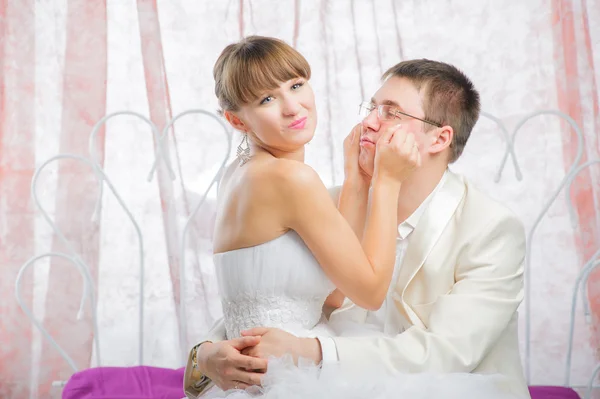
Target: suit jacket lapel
point(426, 234)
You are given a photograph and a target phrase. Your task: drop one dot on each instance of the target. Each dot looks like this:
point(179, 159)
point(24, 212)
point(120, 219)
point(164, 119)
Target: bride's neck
point(296, 155)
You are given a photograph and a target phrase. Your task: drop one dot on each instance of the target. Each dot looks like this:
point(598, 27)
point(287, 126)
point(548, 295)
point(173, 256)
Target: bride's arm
point(336, 298)
point(352, 204)
point(362, 271)
point(352, 200)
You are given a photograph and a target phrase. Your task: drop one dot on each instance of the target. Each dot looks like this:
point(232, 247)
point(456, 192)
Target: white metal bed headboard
point(82, 267)
point(537, 221)
point(587, 268)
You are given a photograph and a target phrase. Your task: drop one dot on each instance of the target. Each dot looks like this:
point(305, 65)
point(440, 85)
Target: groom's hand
point(275, 342)
point(227, 367)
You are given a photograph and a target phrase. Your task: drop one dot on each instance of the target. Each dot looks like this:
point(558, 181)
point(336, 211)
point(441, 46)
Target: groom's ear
point(441, 139)
point(235, 121)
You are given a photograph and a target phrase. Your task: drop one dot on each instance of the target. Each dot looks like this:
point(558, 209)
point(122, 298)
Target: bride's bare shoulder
point(285, 174)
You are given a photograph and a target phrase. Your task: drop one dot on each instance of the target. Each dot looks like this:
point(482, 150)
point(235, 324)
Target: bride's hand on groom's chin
point(354, 175)
point(277, 343)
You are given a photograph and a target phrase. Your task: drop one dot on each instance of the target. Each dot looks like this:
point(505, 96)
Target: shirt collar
point(406, 227)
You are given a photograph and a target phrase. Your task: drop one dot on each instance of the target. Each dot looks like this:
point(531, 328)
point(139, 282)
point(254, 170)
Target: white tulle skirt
point(284, 380)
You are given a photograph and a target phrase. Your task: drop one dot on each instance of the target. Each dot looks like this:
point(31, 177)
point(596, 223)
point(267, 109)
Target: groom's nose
point(371, 122)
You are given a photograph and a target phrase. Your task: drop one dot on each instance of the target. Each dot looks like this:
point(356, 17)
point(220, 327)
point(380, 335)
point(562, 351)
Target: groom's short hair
point(450, 98)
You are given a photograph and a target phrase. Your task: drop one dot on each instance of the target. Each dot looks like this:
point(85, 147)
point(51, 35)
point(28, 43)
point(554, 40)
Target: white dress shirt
point(386, 318)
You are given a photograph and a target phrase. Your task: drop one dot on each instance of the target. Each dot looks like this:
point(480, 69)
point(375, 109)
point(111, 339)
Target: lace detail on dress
point(294, 315)
point(275, 284)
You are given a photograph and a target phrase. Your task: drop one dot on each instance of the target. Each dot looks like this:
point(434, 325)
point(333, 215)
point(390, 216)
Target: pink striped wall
point(159, 102)
point(84, 103)
point(569, 81)
point(17, 164)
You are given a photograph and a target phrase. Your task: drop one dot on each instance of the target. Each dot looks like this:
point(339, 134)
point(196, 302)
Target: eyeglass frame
point(372, 107)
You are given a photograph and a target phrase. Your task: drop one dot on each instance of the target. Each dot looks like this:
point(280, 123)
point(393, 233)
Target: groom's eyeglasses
point(388, 113)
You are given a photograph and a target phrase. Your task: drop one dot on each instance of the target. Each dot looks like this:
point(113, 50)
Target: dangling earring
point(243, 150)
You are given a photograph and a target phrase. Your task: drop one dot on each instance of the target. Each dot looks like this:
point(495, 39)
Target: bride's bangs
point(259, 67)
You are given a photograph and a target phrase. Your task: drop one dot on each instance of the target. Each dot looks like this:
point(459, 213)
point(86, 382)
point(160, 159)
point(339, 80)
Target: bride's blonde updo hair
point(246, 69)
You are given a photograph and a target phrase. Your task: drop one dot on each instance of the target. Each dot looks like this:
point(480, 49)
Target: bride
point(281, 245)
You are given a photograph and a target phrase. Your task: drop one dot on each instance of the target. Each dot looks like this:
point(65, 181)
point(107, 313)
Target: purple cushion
point(547, 392)
point(143, 382)
point(139, 382)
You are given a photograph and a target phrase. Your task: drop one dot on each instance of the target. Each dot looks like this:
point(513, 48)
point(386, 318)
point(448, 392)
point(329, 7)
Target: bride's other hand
point(227, 367)
point(335, 299)
point(277, 343)
point(397, 155)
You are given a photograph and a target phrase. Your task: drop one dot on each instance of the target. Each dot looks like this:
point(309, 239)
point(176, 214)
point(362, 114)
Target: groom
point(452, 303)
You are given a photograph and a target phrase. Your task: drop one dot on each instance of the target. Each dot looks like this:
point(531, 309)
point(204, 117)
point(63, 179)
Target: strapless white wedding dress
point(280, 284)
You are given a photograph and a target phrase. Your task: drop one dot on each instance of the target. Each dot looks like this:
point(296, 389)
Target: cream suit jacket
point(458, 290)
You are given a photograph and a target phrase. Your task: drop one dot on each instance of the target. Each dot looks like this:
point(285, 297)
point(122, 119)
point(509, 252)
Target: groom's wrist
point(311, 349)
point(202, 348)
